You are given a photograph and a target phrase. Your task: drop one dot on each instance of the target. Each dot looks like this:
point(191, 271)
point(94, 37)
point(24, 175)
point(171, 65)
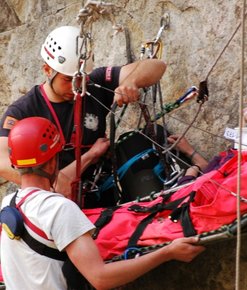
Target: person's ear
point(47, 70)
point(50, 165)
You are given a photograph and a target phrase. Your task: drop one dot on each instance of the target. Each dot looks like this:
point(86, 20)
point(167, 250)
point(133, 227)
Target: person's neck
point(32, 180)
point(51, 95)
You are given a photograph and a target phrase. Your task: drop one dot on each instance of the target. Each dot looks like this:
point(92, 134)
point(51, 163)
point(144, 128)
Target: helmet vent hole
point(43, 147)
point(59, 47)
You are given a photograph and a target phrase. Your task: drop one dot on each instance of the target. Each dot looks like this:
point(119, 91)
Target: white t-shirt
point(62, 221)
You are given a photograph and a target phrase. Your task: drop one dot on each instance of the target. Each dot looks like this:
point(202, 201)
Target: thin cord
point(221, 53)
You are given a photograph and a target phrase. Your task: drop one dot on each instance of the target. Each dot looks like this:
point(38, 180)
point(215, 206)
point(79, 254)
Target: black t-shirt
point(94, 114)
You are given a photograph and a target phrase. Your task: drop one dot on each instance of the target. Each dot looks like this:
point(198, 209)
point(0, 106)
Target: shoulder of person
point(6, 200)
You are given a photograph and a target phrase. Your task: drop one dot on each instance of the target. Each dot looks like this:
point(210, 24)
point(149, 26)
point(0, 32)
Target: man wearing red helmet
point(49, 221)
point(54, 101)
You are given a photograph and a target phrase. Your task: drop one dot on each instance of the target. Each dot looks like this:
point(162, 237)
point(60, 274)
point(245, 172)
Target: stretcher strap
point(179, 213)
point(104, 218)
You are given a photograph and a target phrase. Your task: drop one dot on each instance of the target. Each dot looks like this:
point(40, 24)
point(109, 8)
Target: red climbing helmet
point(33, 141)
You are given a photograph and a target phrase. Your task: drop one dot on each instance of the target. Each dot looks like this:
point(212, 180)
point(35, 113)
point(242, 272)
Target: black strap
point(104, 218)
point(182, 213)
point(41, 248)
point(113, 150)
point(106, 215)
point(157, 207)
point(178, 213)
point(12, 202)
point(188, 228)
point(139, 230)
point(37, 246)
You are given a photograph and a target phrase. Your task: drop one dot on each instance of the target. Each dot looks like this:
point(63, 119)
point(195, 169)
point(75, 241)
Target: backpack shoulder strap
point(41, 248)
point(34, 244)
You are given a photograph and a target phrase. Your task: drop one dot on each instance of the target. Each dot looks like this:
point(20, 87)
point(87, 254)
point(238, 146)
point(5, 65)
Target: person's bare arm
point(185, 147)
point(6, 171)
point(140, 74)
point(84, 254)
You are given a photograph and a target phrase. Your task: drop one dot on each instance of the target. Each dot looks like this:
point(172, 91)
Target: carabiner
point(153, 48)
point(164, 24)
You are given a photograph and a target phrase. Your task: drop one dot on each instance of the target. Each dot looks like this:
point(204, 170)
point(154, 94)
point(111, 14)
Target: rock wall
point(197, 34)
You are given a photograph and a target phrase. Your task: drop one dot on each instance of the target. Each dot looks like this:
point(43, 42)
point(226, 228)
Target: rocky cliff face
point(196, 36)
point(198, 33)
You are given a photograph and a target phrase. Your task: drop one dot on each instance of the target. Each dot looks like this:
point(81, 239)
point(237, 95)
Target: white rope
point(238, 246)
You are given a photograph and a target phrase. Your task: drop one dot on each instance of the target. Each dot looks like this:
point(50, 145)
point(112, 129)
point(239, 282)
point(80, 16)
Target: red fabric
point(1, 275)
point(213, 206)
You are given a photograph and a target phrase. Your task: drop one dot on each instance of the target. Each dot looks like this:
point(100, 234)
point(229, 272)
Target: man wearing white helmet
point(54, 100)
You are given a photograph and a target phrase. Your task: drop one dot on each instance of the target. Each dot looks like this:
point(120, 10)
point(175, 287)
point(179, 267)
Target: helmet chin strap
point(51, 77)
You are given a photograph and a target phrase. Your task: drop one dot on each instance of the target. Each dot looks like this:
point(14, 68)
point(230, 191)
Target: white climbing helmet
point(60, 48)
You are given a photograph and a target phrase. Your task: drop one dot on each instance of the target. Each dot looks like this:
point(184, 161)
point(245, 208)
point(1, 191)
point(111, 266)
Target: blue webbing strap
point(158, 169)
point(124, 168)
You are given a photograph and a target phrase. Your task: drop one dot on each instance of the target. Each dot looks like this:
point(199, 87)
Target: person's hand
point(125, 94)
point(185, 249)
point(183, 145)
point(99, 148)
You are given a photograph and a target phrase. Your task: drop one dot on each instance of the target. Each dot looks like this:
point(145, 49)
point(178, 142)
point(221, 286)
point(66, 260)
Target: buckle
point(132, 253)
